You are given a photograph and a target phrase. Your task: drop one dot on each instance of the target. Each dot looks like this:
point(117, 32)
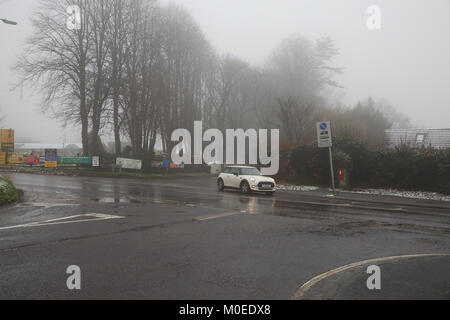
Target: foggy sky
point(406, 62)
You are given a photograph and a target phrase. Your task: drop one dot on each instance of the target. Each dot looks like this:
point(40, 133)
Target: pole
point(332, 170)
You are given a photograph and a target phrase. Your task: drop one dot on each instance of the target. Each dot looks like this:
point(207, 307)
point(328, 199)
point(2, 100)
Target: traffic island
point(8, 193)
point(408, 277)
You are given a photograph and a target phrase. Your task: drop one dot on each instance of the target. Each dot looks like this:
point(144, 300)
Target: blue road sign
point(324, 139)
point(51, 157)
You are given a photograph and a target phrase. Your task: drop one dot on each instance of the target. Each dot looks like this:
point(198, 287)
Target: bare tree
point(186, 55)
point(226, 93)
point(116, 37)
point(300, 72)
point(100, 16)
point(142, 69)
point(56, 61)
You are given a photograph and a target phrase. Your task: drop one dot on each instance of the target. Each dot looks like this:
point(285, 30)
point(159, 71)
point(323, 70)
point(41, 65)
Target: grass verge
point(99, 173)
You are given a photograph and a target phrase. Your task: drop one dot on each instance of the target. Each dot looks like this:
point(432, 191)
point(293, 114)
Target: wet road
point(181, 239)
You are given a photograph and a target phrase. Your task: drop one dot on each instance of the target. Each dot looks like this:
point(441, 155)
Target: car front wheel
point(245, 187)
point(220, 185)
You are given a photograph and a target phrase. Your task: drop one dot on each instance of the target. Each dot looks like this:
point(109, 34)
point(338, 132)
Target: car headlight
point(252, 180)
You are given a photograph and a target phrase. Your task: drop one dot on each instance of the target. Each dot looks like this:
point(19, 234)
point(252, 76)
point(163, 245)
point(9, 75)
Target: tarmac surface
point(182, 239)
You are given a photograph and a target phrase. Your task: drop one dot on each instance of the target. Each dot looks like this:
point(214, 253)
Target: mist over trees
point(136, 69)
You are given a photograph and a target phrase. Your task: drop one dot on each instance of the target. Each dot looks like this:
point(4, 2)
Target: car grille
point(265, 185)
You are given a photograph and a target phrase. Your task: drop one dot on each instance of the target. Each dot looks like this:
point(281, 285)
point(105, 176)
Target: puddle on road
point(126, 200)
point(44, 205)
point(121, 200)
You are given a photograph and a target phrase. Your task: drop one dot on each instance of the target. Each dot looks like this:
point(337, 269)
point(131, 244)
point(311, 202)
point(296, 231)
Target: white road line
point(92, 216)
point(306, 286)
point(216, 216)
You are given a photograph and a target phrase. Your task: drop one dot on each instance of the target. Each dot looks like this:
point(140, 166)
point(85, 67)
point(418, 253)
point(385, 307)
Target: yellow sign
point(7, 146)
point(7, 136)
point(15, 159)
point(51, 164)
point(12, 159)
point(7, 140)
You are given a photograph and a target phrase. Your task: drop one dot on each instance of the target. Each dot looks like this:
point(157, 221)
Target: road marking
point(91, 216)
point(216, 216)
point(307, 285)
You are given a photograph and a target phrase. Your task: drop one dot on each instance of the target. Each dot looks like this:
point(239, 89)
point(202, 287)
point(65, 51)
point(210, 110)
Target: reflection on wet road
point(201, 192)
point(122, 192)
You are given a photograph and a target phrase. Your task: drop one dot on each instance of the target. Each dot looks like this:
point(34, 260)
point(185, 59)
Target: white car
point(247, 179)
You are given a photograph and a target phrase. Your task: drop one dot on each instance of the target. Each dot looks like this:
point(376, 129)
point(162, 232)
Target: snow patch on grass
point(405, 194)
point(296, 188)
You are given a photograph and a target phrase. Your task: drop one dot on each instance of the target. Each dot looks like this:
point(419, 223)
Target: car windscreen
point(250, 172)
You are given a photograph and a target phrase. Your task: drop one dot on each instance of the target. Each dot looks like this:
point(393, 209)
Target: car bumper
point(257, 189)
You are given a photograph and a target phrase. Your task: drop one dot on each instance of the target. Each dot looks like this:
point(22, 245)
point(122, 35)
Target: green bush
point(444, 170)
point(311, 164)
point(404, 167)
point(8, 193)
point(363, 160)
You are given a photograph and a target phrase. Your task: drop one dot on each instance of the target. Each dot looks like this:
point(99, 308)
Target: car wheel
point(220, 185)
point(245, 187)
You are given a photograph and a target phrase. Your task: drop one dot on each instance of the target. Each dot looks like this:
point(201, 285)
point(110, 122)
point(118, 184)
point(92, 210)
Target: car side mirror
point(236, 174)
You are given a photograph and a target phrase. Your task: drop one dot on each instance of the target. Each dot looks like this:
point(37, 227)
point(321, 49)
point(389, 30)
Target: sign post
point(51, 158)
point(95, 161)
point(7, 143)
point(332, 170)
point(75, 160)
point(324, 140)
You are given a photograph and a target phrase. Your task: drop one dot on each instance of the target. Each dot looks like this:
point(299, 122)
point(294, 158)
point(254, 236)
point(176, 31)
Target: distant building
point(436, 138)
point(67, 149)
